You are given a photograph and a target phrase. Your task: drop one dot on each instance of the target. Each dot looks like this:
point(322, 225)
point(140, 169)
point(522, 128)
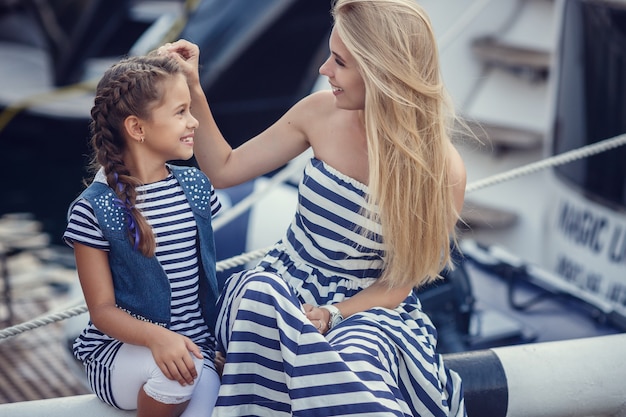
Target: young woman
point(328, 322)
point(144, 247)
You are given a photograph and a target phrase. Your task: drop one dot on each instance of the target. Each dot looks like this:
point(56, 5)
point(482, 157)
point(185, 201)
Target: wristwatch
point(335, 315)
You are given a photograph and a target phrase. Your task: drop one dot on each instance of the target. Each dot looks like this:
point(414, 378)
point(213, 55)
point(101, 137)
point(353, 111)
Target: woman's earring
point(142, 139)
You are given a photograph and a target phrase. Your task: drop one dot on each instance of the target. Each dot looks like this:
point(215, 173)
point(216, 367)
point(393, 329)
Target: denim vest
point(141, 286)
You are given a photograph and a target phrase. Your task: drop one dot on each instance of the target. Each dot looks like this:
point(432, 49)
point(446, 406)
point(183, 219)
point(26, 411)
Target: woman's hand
point(188, 56)
point(376, 295)
point(172, 353)
point(319, 317)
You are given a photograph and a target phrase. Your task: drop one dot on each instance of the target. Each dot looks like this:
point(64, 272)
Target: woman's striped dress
point(380, 362)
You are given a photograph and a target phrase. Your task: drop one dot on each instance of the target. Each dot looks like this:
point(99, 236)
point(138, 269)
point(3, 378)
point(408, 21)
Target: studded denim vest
point(140, 283)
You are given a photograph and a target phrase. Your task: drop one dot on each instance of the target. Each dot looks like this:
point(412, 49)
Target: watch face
point(335, 318)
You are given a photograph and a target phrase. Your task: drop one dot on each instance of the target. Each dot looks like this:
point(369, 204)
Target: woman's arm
point(269, 150)
point(170, 350)
point(458, 179)
point(379, 294)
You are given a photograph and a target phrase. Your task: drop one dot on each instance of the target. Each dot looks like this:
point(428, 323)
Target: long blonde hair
point(407, 118)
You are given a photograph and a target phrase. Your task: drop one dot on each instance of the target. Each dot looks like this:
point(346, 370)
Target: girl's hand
point(172, 353)
point(319, 317)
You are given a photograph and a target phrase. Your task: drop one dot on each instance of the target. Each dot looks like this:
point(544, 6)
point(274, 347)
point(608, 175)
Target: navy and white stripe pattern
point(379, 362)
point(167, 210)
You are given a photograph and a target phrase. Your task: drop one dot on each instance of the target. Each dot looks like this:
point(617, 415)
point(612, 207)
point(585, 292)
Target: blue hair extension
point(127, 208)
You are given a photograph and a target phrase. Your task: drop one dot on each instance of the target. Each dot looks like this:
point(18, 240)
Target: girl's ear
point(134, 128)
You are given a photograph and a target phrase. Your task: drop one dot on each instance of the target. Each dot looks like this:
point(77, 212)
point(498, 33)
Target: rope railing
point(50, 318)
point(553, 161)
point(566, 157)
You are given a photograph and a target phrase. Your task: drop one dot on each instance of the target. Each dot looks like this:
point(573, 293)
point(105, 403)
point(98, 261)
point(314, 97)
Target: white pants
point(134, 368)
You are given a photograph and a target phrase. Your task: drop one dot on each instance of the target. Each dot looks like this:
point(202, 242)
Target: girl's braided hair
point(131, 87)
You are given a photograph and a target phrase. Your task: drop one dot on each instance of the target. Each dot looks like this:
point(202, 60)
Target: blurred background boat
point(258, 58)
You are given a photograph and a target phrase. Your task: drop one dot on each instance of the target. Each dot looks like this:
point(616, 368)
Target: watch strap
point(335, 315)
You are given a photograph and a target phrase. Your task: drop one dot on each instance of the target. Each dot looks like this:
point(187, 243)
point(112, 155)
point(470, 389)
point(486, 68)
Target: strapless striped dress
point(380, 362)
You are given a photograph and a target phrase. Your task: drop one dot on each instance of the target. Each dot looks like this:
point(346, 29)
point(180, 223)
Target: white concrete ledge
point(76, 406)
point(574, 378)
point(583, 377)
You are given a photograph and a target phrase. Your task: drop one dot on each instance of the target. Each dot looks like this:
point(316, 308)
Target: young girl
point(144, 247)
point(328, 322)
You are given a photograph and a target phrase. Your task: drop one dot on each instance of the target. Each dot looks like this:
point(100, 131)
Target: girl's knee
point(168, 391)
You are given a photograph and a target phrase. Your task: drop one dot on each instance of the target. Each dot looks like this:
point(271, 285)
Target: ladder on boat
point(496, 57)
point(508, 103)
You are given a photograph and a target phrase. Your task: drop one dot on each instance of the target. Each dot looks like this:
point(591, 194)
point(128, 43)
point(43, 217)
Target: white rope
point(41, 321)
point(553, 161)
point(241, 259)
point(76, 311)
point(556, 160)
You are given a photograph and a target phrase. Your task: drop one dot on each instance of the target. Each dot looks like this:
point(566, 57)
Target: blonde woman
point(328, 323)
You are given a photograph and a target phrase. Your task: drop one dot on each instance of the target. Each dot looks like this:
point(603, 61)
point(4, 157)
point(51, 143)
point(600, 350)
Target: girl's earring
point(142, 139)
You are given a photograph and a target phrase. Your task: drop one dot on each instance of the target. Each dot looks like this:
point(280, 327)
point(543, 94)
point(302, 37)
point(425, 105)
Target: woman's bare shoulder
point(457, 175)
point(311, 112)
point(319, 102)
point(455, 162)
